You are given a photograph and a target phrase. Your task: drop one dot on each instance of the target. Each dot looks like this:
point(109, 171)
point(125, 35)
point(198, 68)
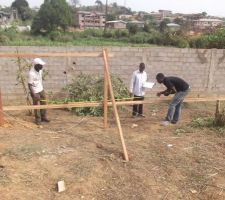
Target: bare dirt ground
point(175, 162)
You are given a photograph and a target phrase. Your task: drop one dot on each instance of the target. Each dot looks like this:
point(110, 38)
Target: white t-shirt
point(137, 81)
point(35, 79)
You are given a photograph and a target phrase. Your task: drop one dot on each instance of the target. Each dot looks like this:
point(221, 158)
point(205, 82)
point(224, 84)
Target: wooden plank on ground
point(100, 104)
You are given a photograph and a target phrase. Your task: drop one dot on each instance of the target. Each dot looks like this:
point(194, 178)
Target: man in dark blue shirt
point(175, 86)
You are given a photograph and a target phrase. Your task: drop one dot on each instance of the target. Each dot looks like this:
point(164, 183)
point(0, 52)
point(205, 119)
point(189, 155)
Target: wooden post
point(114, 105)
point(217, 108)
point(1, 110)
point(106, 87)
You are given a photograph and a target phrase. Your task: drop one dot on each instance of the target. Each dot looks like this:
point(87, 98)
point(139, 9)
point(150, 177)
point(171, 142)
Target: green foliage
point(91, 88)
point(22, 6)
point(92, 32)
point(4, 40)
point(212, 40)
point(132, 28)
point(209, 122)
point(110, 17)
point(109, 33)
point(52, 15)
point(202, 122)
point(55, 35)
point(140, 37)
point(121, 33)
point(147, 28)
point(163, 25)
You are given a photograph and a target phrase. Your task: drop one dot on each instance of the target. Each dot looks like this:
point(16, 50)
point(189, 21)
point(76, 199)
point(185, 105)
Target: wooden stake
point(1, 110)
point(106, 87)
point(99, 104)
point(114, 105)
point(217, 108)
point(56, 54)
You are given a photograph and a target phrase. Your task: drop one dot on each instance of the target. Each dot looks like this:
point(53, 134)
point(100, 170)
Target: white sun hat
point(38, 61)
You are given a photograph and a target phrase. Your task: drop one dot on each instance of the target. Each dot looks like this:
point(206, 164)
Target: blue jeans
point(174, 109)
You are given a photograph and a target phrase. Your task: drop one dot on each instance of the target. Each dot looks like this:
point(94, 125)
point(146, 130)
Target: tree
point(23, 9)
point(179, 21)
point(132, 28)
point(75, 3)
point(204, 14)
point(114, 5)
point(146, 28)
point(52, 15)
point(110, 17)
point(99, 5)
point(163, 24)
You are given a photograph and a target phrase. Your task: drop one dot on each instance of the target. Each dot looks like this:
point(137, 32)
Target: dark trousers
point(138, 109)
point(40, 114)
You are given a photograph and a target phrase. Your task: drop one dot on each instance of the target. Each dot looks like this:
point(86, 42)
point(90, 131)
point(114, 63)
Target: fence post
point(1, 110)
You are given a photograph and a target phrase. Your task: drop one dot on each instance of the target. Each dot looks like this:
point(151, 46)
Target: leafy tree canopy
point(53, 14)
point(23, 9)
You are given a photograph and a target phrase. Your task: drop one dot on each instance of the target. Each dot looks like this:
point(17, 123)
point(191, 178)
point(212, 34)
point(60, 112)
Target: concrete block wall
point(203, 69)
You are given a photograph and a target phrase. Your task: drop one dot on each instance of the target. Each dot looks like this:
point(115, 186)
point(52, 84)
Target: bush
point(212, 40)
point(180, 42)
point(55, 35)
point(140, 37)
point(91, 88)
point(109, 33)
point(121, 33)
point(4, 39)
point(92, 32)
point(66, 38)
point(132, 28)
point(201, 42)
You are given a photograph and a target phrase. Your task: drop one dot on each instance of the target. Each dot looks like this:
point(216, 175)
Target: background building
point(90, 19)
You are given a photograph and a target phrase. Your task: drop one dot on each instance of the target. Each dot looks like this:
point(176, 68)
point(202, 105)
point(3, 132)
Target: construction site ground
point(173, 162)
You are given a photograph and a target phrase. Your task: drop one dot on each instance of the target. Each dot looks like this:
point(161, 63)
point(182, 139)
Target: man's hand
point(158, 94)
point(166, 93)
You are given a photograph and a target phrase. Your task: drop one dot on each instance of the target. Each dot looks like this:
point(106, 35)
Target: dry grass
point(176, 162)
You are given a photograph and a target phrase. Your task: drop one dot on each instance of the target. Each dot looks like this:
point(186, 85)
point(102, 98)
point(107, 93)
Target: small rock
point(61, 186)
point(134, 125)
point(98, 145)
point(193, 191)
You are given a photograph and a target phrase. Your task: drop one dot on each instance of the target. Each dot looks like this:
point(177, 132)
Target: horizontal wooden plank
point(55, 54)
point(99, 104)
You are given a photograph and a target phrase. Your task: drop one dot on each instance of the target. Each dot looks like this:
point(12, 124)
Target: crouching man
point(37, 91)
point(175, 86)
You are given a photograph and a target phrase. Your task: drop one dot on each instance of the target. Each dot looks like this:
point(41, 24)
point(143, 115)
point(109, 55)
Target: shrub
point(109, 33)
point(132, 28)
point(140, 37)
point(92, 32)
point(179, 42)
point(121, 33)
point(87, 87)
point(55, 35)
point(4, 39)
point(212, 40)
point(65, 38)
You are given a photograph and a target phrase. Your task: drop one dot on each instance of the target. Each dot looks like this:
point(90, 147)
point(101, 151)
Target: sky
point(212, 7)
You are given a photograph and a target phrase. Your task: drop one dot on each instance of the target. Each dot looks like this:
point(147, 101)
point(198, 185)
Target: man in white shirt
point(36, 89)
point(139, 77)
